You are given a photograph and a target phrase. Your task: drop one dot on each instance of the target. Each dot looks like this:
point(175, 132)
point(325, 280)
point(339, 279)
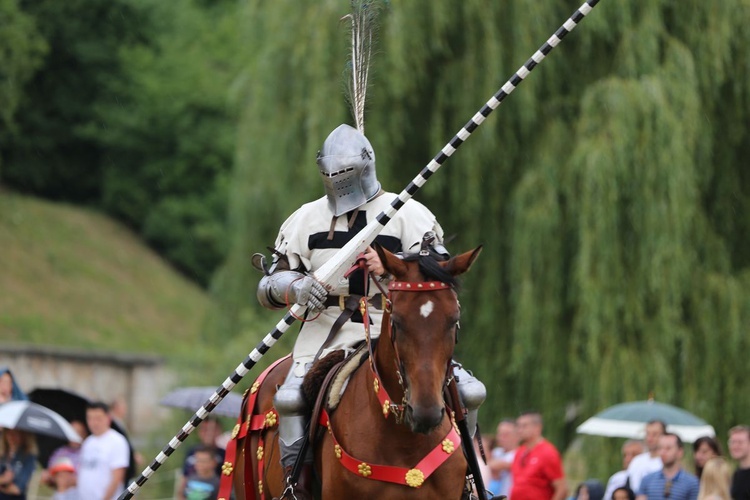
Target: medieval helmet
point(347, 165)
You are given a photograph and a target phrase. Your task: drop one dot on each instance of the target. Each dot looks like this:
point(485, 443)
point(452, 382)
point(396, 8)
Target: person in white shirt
point(630, 449)
point(502, 458)
point(650, 461)
point(104, 458)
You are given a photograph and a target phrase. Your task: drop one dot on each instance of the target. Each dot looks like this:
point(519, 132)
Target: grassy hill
point(71, 276)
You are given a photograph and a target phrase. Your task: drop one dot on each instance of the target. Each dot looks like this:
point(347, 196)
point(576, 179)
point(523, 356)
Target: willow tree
point(610, 190)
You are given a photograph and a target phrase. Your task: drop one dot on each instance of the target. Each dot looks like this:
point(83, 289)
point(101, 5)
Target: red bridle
point(387, 405)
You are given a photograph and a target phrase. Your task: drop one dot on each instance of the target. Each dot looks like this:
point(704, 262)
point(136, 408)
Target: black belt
point(377, 301)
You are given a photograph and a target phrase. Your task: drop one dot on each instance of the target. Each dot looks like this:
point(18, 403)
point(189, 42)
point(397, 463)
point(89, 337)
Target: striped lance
point(333, 271)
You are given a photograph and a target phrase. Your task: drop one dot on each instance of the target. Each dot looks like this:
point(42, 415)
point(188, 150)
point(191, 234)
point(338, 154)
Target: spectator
point(63, 476)
point(715, 481)
point(591, 489)
point(17, 462)
point(704, 449)
point(203, 484)
point(208, 432)
point(672, 481)
point(70, 451)
point(630, 449)
point(9, 390)
point(118, 410)
point(105, 456)
point(501, 459)
point(647, 462)
point(622, 493)
point(739, 449)
point(537, 469)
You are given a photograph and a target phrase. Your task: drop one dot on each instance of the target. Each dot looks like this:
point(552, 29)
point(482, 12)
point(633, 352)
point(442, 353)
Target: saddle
point(326, 381)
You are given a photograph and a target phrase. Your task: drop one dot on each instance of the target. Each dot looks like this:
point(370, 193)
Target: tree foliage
point(610, 190)
point(49, 153)
point(129, 112)
point(21, 52)
point(169, 135)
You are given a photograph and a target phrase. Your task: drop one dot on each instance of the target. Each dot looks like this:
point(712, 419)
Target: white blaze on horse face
point(426, 309)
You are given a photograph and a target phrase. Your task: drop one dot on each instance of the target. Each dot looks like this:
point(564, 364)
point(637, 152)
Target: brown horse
point(375, 447)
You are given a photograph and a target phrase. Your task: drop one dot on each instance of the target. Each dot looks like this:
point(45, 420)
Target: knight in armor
point(310, 237)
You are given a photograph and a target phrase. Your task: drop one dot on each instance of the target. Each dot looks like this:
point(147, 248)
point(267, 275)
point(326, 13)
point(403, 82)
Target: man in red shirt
point(537, 469)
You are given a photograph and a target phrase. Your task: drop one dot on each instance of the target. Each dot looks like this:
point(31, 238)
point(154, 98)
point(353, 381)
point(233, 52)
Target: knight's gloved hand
point(308, 292)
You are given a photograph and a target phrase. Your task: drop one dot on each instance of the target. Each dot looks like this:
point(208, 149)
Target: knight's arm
point(280, 287)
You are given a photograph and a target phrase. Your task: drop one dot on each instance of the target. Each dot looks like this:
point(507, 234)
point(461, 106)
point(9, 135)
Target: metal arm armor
point(272, 289)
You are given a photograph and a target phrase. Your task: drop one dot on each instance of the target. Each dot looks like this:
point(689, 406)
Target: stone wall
point(139, 379)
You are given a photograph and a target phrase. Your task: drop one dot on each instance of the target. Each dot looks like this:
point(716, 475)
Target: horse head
point(423, 329)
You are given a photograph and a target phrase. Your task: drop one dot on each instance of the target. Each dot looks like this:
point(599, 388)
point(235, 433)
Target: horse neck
point(385, 361)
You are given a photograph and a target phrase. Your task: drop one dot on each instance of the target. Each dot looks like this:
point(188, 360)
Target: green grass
point(73, 277)
point(70, 276)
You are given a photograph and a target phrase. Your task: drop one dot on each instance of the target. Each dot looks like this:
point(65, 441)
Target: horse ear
point(461, 263)
point(391, 263)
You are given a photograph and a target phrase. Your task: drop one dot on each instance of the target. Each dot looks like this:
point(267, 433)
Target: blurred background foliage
point(609, 190)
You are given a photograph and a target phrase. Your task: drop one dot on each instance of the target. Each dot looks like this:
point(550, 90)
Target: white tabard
point(303, 239)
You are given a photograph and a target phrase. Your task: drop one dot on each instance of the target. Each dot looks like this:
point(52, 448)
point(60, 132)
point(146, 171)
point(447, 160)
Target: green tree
point(169, 135)
point(21, 53)
point(48, 153)
point(611, 190)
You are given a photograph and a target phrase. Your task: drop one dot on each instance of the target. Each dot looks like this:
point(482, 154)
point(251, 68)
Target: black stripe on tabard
point(383, 219)
point(341, 238)
point(516, 80)
point(412, 188)
point(440, 159)
point(546, 48)
point(397, 203)
point(561, 32)
point(530, 64)
point(577, 16)
point(456, 142)
point(485, 111)
point(500, 95)
point(471, 126)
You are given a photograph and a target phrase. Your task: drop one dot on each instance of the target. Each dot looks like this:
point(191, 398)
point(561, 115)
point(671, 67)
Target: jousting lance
point(333, 271)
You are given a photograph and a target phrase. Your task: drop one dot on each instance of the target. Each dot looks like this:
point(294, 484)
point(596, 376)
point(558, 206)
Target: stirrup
point(288, 493)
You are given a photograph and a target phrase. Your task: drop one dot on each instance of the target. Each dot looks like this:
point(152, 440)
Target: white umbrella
point(36, 419)
point(629, 420)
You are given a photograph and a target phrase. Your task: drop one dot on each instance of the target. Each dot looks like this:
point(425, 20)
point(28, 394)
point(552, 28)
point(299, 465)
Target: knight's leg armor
point(472, 393)
point(293, 414)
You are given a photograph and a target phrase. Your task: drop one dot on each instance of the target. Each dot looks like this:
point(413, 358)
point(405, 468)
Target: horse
point(372, 446)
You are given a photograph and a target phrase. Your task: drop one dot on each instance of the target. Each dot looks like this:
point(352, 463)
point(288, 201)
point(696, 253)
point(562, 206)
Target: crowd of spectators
point(522, 465)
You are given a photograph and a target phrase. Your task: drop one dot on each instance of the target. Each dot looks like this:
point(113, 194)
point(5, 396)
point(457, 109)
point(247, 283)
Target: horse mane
point(314, 378)
point(431, 269)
